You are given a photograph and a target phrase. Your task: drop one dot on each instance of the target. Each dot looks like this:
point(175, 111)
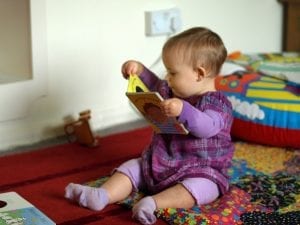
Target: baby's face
point(181, 77)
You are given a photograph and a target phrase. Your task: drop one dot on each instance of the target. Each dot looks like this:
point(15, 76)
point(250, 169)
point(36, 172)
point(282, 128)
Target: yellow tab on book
point(135, 84)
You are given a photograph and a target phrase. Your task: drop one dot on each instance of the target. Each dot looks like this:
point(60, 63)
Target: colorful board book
point(148, 104)
point(15, 210)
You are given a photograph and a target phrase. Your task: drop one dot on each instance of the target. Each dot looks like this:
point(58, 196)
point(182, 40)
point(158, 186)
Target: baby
point(177, 171)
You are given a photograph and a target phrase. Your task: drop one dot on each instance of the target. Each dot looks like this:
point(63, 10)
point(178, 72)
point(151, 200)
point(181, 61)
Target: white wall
point(88, 41)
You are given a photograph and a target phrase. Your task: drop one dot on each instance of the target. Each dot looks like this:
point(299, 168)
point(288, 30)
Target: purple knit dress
point(172, 157)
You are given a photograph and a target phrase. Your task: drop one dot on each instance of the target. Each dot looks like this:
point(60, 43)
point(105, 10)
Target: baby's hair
point(198, 46)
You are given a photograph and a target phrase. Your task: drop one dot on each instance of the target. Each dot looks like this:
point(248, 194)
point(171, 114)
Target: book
point(15, 210)
point(148, 104)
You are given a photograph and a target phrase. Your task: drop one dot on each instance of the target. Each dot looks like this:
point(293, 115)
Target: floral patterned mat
point(265, 189)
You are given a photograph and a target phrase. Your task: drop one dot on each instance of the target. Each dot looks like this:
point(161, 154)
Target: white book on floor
point(15, 210)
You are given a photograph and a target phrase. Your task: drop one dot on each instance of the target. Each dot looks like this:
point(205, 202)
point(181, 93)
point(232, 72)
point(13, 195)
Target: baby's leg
point(203, 190)
point(186, 194)
point(92, 198)
point(126, 178)
point(116, 188)
point(176, 196)
point(183, 195)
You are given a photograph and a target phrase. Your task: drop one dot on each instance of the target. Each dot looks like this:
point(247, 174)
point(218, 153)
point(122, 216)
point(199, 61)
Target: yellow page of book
point(135, 84)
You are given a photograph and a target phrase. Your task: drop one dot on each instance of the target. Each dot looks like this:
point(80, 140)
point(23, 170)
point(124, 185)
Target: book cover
point(15, 210)
point(148, 104)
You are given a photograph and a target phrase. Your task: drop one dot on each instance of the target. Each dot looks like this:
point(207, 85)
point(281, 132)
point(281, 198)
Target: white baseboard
point(20, 133)
point(103, 119)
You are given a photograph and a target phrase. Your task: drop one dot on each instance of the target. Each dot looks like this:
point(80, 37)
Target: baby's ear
point(201, 73)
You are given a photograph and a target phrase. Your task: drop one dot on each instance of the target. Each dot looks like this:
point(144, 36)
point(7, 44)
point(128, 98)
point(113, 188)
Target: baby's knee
point(203, 190)
point(133, 170)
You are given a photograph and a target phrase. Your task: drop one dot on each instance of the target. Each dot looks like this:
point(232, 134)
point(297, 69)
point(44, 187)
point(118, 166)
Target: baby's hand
point(172, 107)
point(132, 67)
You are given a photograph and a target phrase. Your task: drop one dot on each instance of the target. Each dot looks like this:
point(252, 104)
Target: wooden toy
point(80, 130)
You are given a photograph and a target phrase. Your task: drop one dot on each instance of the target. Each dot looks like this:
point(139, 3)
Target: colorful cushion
point(285, 66)
point(266, 109)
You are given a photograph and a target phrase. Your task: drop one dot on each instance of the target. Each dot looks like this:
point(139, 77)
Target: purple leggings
point(203, 190)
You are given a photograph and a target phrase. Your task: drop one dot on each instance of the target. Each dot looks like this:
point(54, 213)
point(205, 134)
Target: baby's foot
point(89, 197)
point(143, 211)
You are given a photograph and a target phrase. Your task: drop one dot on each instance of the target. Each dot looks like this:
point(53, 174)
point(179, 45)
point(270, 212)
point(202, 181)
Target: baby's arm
point(201, 124)
point(147, 76)
point(150, 79)
point(132, 67)
point(172, 107)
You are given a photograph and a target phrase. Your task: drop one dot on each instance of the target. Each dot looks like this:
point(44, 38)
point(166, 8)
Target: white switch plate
point(161, 22)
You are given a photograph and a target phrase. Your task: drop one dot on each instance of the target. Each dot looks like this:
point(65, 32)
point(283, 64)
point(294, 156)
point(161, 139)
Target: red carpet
point(41, 176)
